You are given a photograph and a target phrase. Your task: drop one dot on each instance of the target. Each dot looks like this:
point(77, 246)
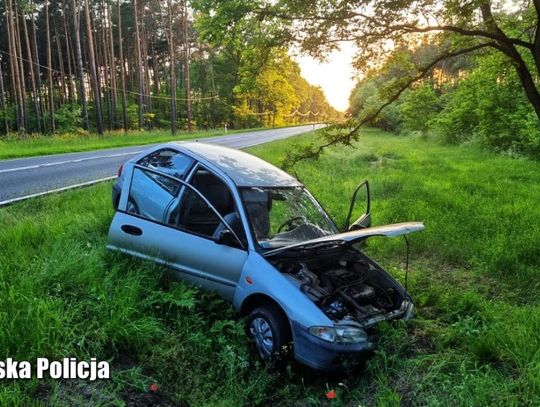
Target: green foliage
point(484, 104)
point(490, 107)
point(257, 77)
point(418, 108)
point(68, 118)
point(366, 99)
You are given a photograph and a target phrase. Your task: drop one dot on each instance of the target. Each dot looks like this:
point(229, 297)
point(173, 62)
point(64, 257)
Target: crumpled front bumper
point(322, 355)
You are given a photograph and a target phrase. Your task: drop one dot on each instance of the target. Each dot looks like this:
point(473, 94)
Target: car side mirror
point(227, 238)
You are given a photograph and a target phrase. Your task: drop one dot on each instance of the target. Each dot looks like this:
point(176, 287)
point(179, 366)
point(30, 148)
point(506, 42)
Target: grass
point(474, 276)
point(17, 147)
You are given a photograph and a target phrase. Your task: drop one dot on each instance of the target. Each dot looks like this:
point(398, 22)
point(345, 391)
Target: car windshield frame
point(330, 224)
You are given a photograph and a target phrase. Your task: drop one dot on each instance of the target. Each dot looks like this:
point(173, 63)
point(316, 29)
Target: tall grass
point(475, 340)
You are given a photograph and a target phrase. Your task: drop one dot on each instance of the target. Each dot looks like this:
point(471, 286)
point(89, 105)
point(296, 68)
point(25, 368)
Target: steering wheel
point(290, 223)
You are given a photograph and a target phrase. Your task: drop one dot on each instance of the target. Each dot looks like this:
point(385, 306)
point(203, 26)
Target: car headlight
point(339, 334)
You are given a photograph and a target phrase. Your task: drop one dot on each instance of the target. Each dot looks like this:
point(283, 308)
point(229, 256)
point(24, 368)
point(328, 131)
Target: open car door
point(358, 210)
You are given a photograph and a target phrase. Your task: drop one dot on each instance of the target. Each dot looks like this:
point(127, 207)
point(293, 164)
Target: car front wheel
point(269, 332)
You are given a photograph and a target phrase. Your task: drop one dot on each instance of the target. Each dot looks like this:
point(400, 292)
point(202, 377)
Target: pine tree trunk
point(172, 57)
point(49, 67)
point(71, 88)
point(103, 58)
point(37, 67)
point(61, 65)
point(32, 71)
point(78, 55)
point(92, 69)
point(5, 124)
point(112, 67)
point(214, 92)
point(122, 66)
point(140, 76)
point(14, 68)
point(145, 68)
point(186, 67)
point(22, 79)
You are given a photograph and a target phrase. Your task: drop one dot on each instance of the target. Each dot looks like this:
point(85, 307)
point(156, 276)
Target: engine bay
point(347, 288)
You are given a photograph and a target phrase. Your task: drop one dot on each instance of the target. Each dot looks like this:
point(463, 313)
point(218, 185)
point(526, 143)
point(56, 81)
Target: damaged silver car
point(228, 221)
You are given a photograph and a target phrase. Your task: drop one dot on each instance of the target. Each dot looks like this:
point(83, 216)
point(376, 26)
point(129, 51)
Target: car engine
point(347, 290)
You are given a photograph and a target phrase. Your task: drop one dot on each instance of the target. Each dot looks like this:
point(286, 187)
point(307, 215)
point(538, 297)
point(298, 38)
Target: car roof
point(244, 169)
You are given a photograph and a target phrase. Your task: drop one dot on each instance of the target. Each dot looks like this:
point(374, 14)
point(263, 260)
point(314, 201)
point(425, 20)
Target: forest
point(100, 65)
point(456, 71)
point(471, 99)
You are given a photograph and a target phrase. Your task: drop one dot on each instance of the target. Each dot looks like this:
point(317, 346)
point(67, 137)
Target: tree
point(49, 66)
point(122, 65)
point(16, 82)
point(92, 68)
point(172, 67)
point(140, 77)
point(5, 125)
point(144, 51)
point(33, 69)
point(78, 57)
point(187, 51)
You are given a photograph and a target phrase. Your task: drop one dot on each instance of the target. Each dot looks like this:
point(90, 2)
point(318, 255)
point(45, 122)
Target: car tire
point(269, 333)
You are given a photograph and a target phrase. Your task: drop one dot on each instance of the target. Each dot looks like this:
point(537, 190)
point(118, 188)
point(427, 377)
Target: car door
point(166, 235)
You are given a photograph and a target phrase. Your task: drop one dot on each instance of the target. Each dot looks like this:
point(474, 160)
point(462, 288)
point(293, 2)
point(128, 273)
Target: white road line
point(88, 183)
point(78, 160)
point(52, 191)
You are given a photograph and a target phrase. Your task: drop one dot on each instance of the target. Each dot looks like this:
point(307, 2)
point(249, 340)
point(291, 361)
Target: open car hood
point(353, 236)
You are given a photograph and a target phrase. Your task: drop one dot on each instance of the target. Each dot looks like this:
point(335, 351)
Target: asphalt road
point(25, 178)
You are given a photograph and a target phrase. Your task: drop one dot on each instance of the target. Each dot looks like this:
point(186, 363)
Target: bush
point(68, 118)
point(366, 99)
point(490, 107)
point(418, 108)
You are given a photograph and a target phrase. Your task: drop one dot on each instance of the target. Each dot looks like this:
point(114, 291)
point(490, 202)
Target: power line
point(111, 88)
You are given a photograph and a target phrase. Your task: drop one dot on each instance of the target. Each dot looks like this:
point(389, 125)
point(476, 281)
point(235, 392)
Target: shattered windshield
point(284, 216)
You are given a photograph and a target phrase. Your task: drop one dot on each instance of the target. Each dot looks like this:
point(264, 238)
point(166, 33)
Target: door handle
point(131, 230)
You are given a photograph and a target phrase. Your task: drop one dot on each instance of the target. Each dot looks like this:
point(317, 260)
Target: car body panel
point(322, 355)
point(182, 251)
point(266, 280)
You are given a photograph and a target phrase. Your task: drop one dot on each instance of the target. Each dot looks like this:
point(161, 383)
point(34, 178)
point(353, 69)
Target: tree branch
point(294, 157)
point(497, 35)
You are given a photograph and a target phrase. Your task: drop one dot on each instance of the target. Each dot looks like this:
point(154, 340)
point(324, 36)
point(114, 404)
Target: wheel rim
point(261, 333)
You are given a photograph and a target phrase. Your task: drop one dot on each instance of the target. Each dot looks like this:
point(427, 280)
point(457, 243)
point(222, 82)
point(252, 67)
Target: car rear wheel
point(269, 333)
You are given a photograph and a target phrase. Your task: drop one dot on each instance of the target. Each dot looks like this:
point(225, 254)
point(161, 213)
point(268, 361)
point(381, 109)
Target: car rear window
point(168, 161)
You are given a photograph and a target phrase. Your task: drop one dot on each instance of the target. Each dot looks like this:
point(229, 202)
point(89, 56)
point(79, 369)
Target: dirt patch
point(134, 398)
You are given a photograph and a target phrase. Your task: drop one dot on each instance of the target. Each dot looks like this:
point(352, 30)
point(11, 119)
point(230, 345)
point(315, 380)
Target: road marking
point(78, 160)
point(216, 140)
point(52, 191)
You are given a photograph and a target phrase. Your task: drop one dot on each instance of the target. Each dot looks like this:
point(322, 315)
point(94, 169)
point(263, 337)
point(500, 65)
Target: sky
point(335, 76)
